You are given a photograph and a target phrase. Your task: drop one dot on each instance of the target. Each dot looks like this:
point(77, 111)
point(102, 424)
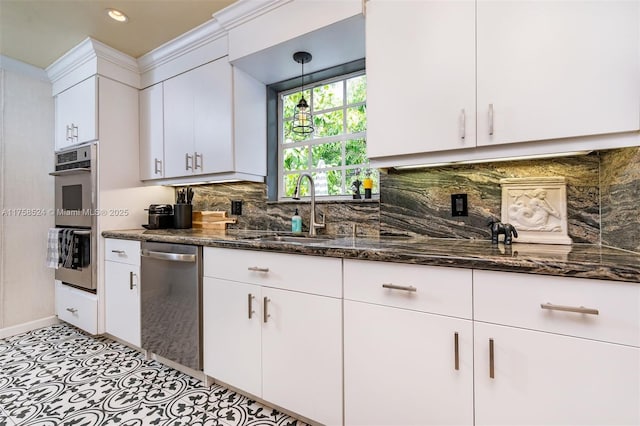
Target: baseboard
point(28, 326)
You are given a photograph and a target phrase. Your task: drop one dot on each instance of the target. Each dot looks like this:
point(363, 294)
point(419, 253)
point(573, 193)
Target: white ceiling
point(40, 31)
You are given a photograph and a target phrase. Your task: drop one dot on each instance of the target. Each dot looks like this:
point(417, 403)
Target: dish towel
point(67, 247)
point(53, 248)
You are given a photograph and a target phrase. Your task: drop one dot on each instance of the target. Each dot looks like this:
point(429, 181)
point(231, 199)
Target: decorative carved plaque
point(537, 207)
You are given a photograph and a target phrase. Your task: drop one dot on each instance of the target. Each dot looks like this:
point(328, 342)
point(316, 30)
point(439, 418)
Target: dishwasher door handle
point(173, 257)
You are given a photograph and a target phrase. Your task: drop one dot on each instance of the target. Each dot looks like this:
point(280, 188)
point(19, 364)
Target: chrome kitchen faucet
point(313, 225)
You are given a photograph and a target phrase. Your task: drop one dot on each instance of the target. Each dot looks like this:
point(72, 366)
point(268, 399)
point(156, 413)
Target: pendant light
point(302, 120)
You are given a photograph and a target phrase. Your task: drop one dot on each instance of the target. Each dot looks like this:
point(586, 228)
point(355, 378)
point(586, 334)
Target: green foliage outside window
point(336, 152)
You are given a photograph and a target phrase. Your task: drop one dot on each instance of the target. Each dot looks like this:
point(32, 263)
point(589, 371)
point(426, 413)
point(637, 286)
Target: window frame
point(310, 143)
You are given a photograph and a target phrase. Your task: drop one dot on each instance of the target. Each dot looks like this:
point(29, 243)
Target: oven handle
point(174, 257)
point(70, 171)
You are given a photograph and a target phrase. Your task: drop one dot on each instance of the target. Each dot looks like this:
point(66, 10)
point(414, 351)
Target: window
point(335, 154)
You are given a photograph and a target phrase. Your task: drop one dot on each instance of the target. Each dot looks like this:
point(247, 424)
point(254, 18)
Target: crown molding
point(89, 50)
point(181, 45)
point(245, 10)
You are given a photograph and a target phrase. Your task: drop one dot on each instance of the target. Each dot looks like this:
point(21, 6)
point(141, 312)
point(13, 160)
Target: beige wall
point(26, 158)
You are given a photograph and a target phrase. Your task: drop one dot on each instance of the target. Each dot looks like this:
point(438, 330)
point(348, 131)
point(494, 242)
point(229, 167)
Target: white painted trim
point(16, 66)
point(28, 326)
point(245, 10)
point(181, 45)
point(74, 58)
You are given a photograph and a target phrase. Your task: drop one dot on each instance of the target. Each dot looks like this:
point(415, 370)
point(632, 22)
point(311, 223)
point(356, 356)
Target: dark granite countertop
point(577, 260)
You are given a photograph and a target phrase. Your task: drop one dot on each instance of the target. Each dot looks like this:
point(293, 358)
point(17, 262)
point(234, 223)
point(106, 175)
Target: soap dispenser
point(296, 222)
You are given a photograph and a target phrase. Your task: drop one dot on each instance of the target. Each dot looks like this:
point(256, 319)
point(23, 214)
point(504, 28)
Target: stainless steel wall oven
point(75, 210)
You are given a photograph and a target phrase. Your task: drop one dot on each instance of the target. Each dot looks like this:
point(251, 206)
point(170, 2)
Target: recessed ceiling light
point(117, 15)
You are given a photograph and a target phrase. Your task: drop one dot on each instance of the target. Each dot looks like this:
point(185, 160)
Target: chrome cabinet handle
point(118, 251)
point(68, 133)
point(131, 284)
point(75, 131)
point(491, 360)
point(197, 166)
point(456, 352)
point(157, 166)
point(265, 314)
point(173, 257)
point(257, 269)
point(400, 287)
point(72, 310)
point(250, 298)
point(490, 119)
point(186, 161)
point(463, 125)
point(576, 309)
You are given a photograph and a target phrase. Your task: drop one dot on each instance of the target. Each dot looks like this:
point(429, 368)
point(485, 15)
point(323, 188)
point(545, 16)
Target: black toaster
point(160, 216)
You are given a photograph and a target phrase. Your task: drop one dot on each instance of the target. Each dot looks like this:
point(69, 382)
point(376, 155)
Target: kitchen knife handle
point(195, 163)
point(186, 161)
point(157, 166)
point(490, 119)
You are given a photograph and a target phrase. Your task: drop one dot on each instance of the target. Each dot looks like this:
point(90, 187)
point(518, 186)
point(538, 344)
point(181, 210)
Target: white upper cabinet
point(557, 69)
point(197, 121)
point(151, 133)
point(545, 72)
point(420, 76)
point(76, 114)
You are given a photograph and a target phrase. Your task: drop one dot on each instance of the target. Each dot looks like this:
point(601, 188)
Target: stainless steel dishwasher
point(171, 302)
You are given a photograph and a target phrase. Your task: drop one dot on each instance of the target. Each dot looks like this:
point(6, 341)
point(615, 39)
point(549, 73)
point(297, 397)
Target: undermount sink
point(292, 239)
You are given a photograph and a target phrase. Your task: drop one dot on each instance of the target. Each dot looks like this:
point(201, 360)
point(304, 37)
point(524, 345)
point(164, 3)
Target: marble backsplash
point(600, 200)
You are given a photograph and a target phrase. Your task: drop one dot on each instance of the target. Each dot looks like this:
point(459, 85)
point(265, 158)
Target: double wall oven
point(75, 212)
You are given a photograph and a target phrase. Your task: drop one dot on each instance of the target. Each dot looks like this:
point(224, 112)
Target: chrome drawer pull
point(257, 269)
point(118, 251)
point(72, 310)
point(491, 360)
point(265, 302)
point(250, 298)
point(400, 287)
point(463, 125)
point(578, 309)
point(456, 350)
point(490, 119)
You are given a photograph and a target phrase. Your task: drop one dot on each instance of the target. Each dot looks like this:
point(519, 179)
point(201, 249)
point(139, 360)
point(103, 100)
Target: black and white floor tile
point(58, 376)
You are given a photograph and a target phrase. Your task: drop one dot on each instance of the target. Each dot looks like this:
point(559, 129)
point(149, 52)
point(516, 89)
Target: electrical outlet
point(459, 205)
point(236, 207)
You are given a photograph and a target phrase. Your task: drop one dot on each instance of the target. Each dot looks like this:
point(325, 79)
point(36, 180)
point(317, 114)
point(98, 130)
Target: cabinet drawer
point(517, 299)
point(123, 251)
point(432, 289)
point(77, 307)
point(309, 274)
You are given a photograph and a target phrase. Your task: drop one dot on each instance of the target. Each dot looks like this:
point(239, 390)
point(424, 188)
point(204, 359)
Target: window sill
point(332, 200)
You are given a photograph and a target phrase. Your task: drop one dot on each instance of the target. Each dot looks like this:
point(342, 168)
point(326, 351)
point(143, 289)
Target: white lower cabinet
point(403, 367)
point(77, 307)
point(122, 290)
point(281, 345)
point(548, 379)
point(555, 350)
point(407, 360)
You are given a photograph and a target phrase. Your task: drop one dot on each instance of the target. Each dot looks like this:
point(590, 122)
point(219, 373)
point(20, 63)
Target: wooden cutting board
point(215, 219)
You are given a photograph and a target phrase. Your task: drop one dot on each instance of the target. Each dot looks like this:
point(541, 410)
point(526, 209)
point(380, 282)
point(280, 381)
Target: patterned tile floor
point(60, 376)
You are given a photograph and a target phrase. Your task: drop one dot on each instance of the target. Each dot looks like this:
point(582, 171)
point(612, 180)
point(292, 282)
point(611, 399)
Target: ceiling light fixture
point(302, 120)
point(116, 15)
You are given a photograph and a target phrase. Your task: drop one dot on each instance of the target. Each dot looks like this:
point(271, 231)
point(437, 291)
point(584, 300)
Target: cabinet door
point(550, 74)
point(76, 114)
point(232, 320)
point(302, 354)
point(122, 301)
point(548, 379)
point(178, 125)
point(400, 367)
point(211, 86)
point(151, 133)
point(420, 76)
